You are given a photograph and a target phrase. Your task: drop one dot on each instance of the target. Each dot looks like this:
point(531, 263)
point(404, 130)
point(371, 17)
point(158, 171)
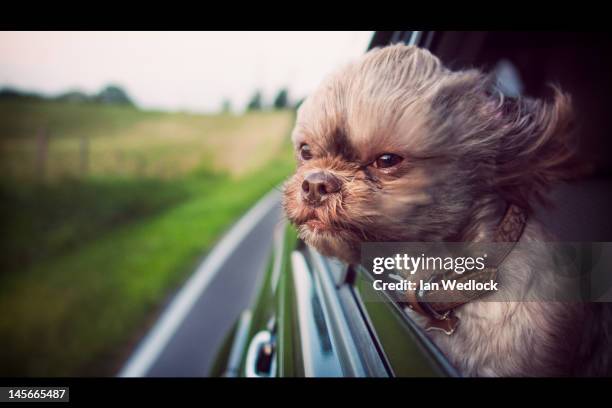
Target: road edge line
point(157, 338)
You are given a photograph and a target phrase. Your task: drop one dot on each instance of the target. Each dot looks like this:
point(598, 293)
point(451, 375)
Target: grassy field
point(90, 253)
point(125, 142)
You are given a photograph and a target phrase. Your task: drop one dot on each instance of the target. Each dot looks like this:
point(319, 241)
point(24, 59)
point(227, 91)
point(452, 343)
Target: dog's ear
point(520, 145)
point(535, 145)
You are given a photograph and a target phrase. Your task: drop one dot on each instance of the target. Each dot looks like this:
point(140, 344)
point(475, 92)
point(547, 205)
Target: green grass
point(45, 221)
point(88, 261)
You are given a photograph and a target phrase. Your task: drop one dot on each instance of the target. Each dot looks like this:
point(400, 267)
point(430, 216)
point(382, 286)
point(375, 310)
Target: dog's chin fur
point(329, 243)
point(468, 152)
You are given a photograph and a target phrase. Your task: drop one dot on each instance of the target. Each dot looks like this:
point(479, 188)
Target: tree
point(75, 96)
point(14, 93)
point(114, 95)
point(298, 103)
point(255, 102)
point(282, 99)
point(227, 106)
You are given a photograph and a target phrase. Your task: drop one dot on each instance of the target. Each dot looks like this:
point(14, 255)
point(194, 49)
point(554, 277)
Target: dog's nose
point(319, 184)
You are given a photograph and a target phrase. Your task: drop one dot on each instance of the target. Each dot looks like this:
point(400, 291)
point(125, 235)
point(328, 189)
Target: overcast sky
point(192, 71)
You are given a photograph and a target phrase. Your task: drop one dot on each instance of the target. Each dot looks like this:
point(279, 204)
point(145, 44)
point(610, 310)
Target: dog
point(397, 147)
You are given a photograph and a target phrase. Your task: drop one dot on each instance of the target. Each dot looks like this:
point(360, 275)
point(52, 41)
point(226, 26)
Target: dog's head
point(395, 147)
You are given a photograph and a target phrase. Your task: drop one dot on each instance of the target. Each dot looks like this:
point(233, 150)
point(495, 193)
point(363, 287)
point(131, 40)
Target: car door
point(312, 319)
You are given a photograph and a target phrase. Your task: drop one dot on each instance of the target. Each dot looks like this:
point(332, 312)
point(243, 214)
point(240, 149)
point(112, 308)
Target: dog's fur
point(468, 151)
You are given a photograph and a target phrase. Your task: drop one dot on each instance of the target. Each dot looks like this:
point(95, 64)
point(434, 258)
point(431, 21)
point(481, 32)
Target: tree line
point(115, 95)
point(257, 103)
point(111, 94)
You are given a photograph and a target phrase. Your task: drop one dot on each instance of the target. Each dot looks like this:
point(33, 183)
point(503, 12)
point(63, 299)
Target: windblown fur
point(467, 152)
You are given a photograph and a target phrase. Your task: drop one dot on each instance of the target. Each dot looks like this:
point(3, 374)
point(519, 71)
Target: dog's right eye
point(305, 152)
point(387, 160)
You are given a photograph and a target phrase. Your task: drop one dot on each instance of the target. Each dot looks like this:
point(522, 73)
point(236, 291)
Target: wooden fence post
point(42, 148)
point(84, 156)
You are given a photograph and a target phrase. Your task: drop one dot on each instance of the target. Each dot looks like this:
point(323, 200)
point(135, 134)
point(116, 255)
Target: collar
point(440, 313)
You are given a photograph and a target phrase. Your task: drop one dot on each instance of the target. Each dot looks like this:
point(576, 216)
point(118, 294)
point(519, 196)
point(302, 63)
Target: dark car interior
point(525, 64)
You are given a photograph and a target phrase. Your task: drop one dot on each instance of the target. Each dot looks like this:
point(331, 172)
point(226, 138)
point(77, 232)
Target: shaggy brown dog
point(396, 147)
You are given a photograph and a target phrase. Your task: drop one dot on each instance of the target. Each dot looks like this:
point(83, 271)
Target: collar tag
point(447, 325)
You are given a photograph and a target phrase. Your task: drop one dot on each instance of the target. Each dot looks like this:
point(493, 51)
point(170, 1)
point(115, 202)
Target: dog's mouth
point(316, 225)
point(316, 222)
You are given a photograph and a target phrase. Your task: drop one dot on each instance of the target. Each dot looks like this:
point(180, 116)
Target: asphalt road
point(184, 342)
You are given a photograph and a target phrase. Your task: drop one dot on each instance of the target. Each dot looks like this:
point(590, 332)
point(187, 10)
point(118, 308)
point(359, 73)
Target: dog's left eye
point(387, 160)
point(305, 152)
